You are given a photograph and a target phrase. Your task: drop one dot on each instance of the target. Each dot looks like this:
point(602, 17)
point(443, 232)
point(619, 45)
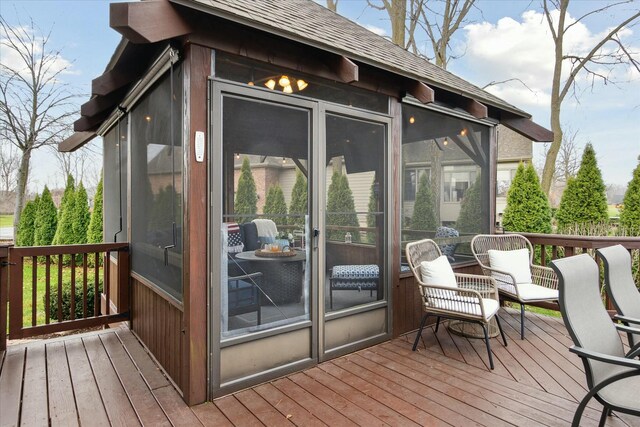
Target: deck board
point(107, 377)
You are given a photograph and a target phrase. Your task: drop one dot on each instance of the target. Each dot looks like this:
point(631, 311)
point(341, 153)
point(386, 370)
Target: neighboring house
point(513, 148)
point(196, 85)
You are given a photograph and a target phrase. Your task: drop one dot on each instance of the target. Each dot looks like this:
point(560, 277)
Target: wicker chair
point(613, 377)
point(475, 299)
point(621, 289)
point(544, 286)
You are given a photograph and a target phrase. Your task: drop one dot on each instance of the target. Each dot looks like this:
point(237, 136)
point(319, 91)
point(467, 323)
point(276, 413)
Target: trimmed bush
point(46, 220)
point(94, 233)
point(81, 215)
point(471, 219)
point(298, 208)
point(527, 208)
point(246, 202)
point(371, 216)
point(424, 217)
point(26, 227)
point(584, 200)
point(630, 215)
point(68, 198)
point(66, 300)
point(275, 208)
point(341, 210)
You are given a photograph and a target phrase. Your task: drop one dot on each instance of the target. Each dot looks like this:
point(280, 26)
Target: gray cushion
point(250, 236)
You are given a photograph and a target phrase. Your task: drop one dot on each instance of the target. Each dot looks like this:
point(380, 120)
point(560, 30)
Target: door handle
point(316, 234)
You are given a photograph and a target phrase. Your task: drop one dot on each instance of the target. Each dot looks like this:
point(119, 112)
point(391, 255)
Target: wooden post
point(123, 281)
point(15, 296)
point(4, 287)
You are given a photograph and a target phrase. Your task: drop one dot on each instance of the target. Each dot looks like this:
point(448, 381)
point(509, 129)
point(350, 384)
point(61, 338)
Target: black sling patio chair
point(621, 289)
point(613, 378)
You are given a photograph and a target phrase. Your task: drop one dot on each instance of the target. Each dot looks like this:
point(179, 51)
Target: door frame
point(317, 187)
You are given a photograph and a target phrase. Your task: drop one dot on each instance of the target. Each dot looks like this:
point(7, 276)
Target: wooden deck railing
point(61, 288)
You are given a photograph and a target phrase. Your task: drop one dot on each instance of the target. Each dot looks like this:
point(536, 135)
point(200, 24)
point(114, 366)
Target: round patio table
point(283, 276)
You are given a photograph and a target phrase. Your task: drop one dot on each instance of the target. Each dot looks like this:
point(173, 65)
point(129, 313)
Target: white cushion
point(531, 292)
point(514, 262)
point(467, 305)
point(438, 272)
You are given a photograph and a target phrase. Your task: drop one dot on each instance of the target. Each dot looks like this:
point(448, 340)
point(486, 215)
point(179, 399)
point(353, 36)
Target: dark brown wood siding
point(158, 324)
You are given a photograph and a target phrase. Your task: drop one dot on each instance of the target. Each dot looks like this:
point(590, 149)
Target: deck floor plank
point(137, 390)
point(11, 386)
point(119, 408)
point(237, 413)
point(174, 407)
point(88, 377)
point(287, 406)
point(337, 402)
point(382, 412)
point(478, 410)
point(88, 401)
point(35, 404)
point(62, 405)
point(266, 413)
point(210, 416)
point(150, 371)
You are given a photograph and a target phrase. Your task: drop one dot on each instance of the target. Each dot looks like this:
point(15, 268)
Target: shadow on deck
point(106, 377)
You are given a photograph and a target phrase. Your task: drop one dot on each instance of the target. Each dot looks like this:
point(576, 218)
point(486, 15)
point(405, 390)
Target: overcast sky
point(502, 40)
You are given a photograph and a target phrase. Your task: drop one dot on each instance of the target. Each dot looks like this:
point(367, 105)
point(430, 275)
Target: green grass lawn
point(41, 289)
point(613, 211)
point(6, 220)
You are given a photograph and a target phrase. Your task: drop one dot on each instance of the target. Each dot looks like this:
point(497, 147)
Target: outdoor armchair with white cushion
point(613, 377)
point(508, 258)
point(621, 289)
point(448, 295)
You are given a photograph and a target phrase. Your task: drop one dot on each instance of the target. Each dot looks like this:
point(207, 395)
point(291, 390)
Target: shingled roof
point(310, 23)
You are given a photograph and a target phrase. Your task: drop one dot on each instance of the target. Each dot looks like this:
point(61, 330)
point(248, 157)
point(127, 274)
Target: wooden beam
point(528, 128)
point(421, 92)
point(99, 104)
point(89, 123)
point(112, 80)
point(75, 141)
point(346, 70)
point(476, 109)
point(148, 21)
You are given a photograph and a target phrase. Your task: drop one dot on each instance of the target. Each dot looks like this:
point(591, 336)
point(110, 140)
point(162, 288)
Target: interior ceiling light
point(288, 84)
point(412, 120)
point(446, 141)
point(250, 83)
point(463, 132)
point(284, 81)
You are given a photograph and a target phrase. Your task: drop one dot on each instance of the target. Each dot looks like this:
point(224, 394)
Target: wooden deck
point(107, 378)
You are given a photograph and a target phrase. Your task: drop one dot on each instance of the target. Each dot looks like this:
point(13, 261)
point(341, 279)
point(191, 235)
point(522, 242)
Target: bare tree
point(83, 165)
point(9, 160)
point(568, 161)
point(397, 11)
point(440, 25)
point(332, 5)
point(597, 58)
point(35, 106)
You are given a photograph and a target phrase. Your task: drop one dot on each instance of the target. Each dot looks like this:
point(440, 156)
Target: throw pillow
point(514, 262)
point(438, 272)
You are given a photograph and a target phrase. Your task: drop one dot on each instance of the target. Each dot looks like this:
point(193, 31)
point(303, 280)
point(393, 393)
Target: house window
point(115, 183)
point(456, 183)
point(156, 196)
point(503, 181)
point(411, 179)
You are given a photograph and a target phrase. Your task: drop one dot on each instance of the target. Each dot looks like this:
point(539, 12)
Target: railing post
point(16, 305)
point(4, 289)
point(123, 281)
